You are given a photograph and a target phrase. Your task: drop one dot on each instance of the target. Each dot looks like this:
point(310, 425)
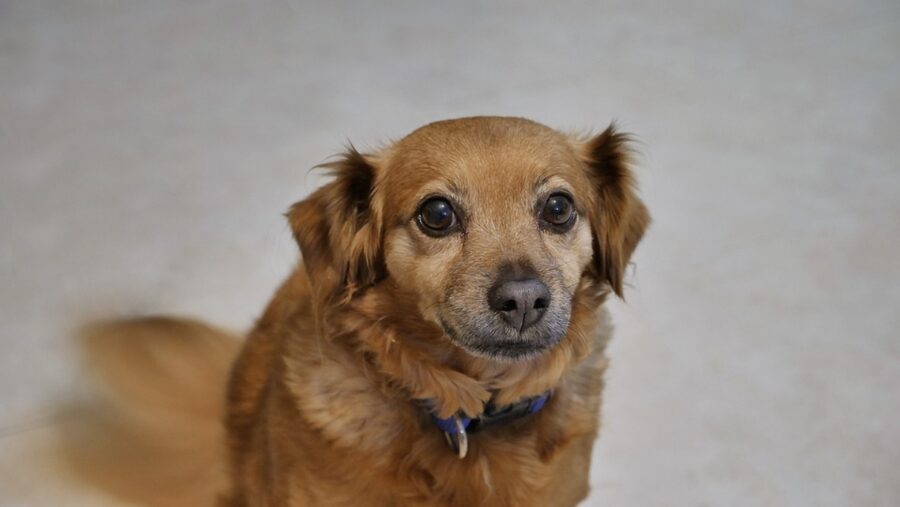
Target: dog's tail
point(155, 435)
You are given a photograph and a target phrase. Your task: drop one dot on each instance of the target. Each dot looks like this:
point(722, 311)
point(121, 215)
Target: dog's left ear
point(618, 217)
point(338, 228)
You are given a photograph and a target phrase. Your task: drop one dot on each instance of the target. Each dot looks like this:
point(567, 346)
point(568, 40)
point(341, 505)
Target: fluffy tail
point(154, 436)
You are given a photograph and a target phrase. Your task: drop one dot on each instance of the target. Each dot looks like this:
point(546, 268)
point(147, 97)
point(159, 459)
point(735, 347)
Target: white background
point(148, 149)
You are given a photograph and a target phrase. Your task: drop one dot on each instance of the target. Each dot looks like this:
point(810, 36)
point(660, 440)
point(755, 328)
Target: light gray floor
point(147, 150)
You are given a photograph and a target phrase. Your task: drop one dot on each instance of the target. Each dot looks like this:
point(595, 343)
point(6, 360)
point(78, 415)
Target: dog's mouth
point(492, 345)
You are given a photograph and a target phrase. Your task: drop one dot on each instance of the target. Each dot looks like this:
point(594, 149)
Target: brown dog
point(451, 282)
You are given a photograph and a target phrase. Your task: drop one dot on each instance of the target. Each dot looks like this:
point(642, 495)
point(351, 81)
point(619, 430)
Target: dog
point(441, 343)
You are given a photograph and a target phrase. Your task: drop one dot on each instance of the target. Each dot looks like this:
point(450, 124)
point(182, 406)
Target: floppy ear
point(339, 229)
point(619, 218)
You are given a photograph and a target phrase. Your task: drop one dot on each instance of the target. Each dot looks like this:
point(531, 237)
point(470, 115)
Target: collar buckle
point(459, 439)
point(456, 428)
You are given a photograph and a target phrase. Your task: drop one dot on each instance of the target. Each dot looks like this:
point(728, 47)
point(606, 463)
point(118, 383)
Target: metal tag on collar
point(459, 440)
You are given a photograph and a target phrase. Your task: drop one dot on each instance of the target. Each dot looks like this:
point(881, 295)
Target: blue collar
point(457, 427)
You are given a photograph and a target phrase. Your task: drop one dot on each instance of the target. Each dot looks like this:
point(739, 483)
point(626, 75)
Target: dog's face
point(483, 225)
point(491, 223)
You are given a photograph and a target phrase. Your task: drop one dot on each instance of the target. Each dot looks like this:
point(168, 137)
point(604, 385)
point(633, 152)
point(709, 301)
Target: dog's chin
point(503, 348)
point(507, 350)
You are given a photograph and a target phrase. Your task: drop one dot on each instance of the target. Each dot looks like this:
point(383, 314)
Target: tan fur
point(326, 401)
point(153, 436)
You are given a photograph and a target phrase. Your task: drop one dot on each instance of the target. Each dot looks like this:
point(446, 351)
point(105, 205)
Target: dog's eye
point(559, 212)
point(436, 216)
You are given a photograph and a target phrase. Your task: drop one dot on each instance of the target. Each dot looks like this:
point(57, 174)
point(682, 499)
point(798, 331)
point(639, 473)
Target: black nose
point(521, 303)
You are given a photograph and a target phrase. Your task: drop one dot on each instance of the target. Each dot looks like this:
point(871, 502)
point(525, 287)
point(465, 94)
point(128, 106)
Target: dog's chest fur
point(326, 418)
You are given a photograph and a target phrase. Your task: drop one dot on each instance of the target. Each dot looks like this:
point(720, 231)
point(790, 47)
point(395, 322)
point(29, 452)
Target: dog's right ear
point(338, 228)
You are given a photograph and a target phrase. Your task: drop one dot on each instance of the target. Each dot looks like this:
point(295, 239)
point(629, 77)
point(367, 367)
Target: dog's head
point(492, 224)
